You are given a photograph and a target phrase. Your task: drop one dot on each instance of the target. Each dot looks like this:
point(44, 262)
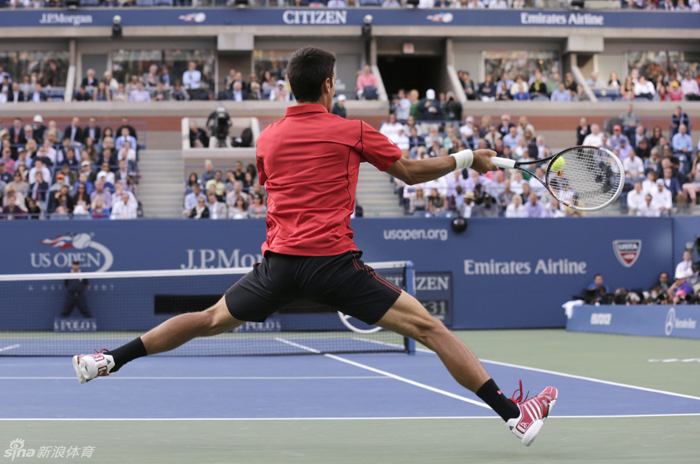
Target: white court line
point(11, 347)
point(388, 374)
point(580, 377)
point(352, 377)
point(250, 419)
point(590, 379)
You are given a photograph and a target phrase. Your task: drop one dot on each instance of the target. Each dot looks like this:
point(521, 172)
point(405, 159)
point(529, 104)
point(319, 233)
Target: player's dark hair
point(307, 70)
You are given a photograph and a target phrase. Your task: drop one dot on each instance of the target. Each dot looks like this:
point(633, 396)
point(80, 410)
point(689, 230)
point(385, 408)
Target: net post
point(409, 343)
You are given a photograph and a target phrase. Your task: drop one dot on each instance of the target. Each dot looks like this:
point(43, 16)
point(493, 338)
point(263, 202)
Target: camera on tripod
point(219, 124)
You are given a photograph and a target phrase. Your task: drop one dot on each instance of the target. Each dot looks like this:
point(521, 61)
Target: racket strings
point(590, 179)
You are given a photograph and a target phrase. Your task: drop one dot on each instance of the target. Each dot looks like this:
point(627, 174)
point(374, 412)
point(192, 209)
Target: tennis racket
point(590, 179)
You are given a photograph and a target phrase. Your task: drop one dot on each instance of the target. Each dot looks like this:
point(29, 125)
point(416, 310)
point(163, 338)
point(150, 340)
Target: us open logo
point(627, 251)
point(73, 247)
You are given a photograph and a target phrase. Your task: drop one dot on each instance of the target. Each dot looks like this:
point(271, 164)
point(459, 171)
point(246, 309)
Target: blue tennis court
point(329, 386)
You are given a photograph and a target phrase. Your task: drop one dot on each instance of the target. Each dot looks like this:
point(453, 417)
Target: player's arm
point(418, 171)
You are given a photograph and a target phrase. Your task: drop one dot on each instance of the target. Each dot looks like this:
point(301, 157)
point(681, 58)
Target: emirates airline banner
point(499, 273)
point(184, 17)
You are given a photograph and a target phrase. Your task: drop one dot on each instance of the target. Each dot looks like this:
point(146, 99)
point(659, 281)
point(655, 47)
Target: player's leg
point(410, 319)
point(523, 417)
point(165, 337)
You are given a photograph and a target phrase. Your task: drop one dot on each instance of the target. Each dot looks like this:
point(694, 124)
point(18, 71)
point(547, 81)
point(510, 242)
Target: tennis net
point(119, 306)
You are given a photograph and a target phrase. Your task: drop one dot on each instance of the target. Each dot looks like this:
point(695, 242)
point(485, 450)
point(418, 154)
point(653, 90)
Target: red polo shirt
point(309, 163)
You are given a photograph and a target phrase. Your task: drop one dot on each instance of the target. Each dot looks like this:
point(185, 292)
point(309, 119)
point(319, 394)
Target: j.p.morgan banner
point(499, 273)
point(346, 17)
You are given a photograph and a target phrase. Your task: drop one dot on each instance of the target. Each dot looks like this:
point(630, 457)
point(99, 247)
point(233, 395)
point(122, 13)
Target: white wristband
point(463, 159)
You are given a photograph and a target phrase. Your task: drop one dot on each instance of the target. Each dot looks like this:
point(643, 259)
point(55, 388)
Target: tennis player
point(309, 163)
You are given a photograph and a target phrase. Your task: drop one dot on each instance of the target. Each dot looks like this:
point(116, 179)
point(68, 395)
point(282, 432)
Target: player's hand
point(482, 161)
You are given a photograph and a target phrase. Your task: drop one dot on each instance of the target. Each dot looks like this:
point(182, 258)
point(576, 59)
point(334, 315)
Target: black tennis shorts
point(342, 281)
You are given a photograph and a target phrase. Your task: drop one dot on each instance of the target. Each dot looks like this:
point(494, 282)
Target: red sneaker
point(89, 366)
point(533, 412)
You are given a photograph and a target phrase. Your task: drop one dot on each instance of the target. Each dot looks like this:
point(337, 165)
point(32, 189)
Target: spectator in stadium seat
point(614, 81)
point(560, 94)
point(124, 137)
point(569, 82)
point(504, 127)
point(634, 168)
point(235, 193)
point(84, 178)
point(692, 187)
point(93, 130)
point(120, 94)
point(519, 90)
point(280, 92)
point(160, 94)
point(594, 82)
point(239, 210)
point(178, 92)
point(648, 208)
point(61, 199)
point(534, 207)
point(643, 88)
point(468, 86)
point(258, 209)
point(98, 210)
point(662, 198)
point(630, 121)
point(642, 150)
point(640, 134)
point(15, 95)
point(595, 138)
point(401, 106)
point(429, 108)
point(538, 85)
point(238, 93)
point(511, 139)
point(488, 207)
point(436, 202)
point(192, 78)
point(89, 82)
point(150, 79)
point(217, 209)
point(487, 89)
point(217, 183)
point(515, 208)
point(391, 4)
point(198, 136)
point(39, 128)
point(682, 142)
point(139, 94)
point(6, 158)
point(255, 92)
point(38, 95)
point(73, 132)
point(128, 154)
point(38, 166)
point(671, 183)
point(554, 209)
point(623, 150)
point(452, 108)
point(16, 132)
point(123, 209)
point(636, 198)
point(339, 107)
point(616, 137)
point(38, 189)
point(678, 118)
point(82, 95)
point(415, 141)
point(391, 127)
point(106, 175)
point(102, 93)
point(553, 82)
point(192, 198)
point(11, 210)
point(689, 87)
point(365, 79)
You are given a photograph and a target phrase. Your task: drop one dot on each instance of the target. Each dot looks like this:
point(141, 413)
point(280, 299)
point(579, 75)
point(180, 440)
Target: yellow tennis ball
point(558, 164)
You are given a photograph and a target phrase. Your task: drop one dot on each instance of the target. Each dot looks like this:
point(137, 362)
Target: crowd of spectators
point(235, 195)
point(662, 172)
point(684, 288)
point(80, 171)
point(652, 85)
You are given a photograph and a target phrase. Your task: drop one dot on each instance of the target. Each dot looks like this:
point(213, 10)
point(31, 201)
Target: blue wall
point(506, 273)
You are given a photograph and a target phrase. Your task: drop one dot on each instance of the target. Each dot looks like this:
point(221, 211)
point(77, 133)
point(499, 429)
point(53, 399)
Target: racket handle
point(503, 162)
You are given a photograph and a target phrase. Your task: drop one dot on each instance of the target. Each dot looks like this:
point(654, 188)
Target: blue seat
point(164, 2)
point(144, 3)
point(89, 2)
